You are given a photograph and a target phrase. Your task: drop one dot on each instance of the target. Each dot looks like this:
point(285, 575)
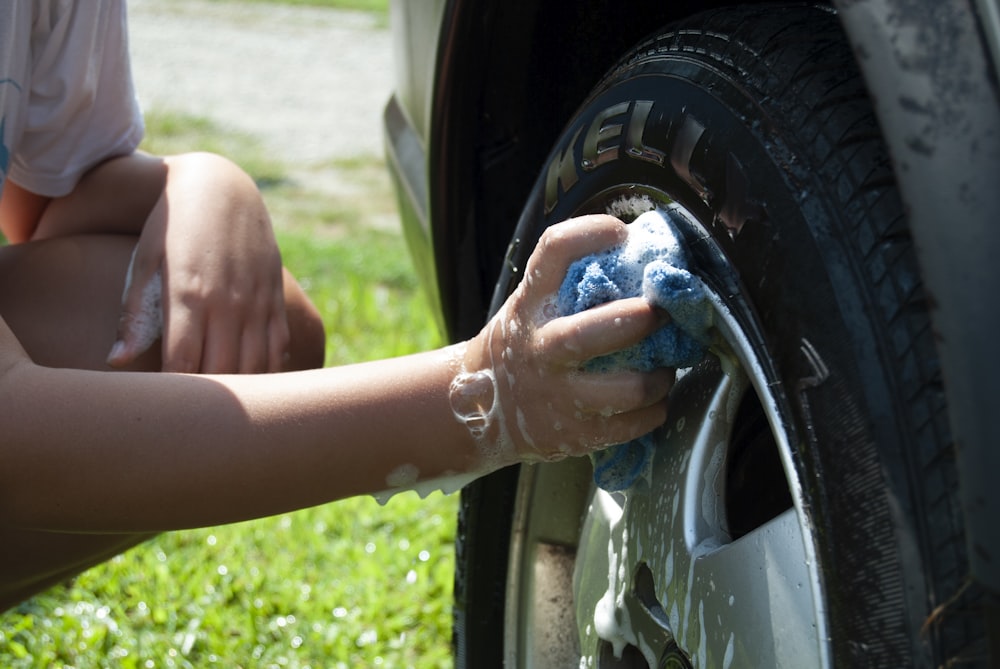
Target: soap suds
point(473, 398)
point(403, 476)
point(146, 325)
point(448, 483)
point(628, 207)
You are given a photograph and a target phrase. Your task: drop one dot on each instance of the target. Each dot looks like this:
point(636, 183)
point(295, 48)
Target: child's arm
point(92, 451)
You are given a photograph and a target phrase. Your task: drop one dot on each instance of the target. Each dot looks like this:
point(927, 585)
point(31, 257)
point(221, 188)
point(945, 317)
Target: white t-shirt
point(67, 101)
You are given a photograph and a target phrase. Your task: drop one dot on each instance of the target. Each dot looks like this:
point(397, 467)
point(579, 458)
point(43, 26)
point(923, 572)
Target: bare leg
point(61, 298)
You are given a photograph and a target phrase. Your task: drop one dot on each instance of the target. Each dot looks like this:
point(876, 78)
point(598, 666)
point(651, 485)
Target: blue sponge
point(651, 263)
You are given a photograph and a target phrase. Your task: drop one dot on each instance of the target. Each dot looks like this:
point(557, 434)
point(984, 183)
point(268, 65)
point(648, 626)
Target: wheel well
point(510, 75)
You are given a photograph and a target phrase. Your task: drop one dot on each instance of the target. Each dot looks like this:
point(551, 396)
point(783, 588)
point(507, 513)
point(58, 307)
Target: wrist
point(475, 399)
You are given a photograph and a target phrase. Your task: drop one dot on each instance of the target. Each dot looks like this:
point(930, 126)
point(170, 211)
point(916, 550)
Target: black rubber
point(756, 121)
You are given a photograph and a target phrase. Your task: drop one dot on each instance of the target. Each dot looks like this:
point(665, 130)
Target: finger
point(601, 330)
point(621, 428)
point(562, 244)
point(253, 350)
point(140, 322)
point(279, 339)
point(265, 336)
point(138, 330)
point(247, 351)
point(183, 339)
point(223, 341)
point(625, 427)
point(607, 394)
point(277, 329)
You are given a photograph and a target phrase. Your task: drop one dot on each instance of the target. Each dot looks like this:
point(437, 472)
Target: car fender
point(931, 69)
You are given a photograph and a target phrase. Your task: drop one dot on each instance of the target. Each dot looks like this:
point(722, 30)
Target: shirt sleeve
point(82, 107)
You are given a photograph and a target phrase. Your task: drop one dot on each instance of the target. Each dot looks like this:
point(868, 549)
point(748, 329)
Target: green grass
point(349, 584)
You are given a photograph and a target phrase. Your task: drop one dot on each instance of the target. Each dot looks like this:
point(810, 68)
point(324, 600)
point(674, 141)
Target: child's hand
point(210, 242)
point(522, 390)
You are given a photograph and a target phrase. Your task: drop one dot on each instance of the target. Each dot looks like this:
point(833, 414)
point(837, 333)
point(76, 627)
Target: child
point(92, 462)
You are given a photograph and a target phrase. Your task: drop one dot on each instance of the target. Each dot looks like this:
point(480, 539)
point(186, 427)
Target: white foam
point(403, 476)
point(146, 325)
point(474, 402)
point(628, 207)
point(522, 426)
point(446, 484)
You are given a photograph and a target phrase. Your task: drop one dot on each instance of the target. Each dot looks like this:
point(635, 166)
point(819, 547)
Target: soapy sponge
point(651, 263)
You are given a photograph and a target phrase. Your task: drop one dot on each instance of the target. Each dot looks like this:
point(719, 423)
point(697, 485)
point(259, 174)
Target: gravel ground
point(309, 83)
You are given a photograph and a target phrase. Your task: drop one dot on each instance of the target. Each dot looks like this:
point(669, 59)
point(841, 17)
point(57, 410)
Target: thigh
point(32, 562)
point(62, 297)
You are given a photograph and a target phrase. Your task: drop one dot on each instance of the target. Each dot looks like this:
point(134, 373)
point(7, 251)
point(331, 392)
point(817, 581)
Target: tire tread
point(828, 109)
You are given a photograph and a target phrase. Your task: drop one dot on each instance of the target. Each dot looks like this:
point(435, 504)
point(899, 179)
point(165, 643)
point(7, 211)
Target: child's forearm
point(149, 452)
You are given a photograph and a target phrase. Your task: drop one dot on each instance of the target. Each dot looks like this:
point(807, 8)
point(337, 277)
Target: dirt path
point(309, 83)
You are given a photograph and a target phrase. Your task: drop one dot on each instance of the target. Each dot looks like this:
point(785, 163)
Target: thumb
point(141, 321)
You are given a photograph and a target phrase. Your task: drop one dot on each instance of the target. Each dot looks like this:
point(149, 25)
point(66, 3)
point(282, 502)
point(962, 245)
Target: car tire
point(752, 130)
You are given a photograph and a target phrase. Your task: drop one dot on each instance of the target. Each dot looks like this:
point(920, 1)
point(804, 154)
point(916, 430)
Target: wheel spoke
point(759, 588)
